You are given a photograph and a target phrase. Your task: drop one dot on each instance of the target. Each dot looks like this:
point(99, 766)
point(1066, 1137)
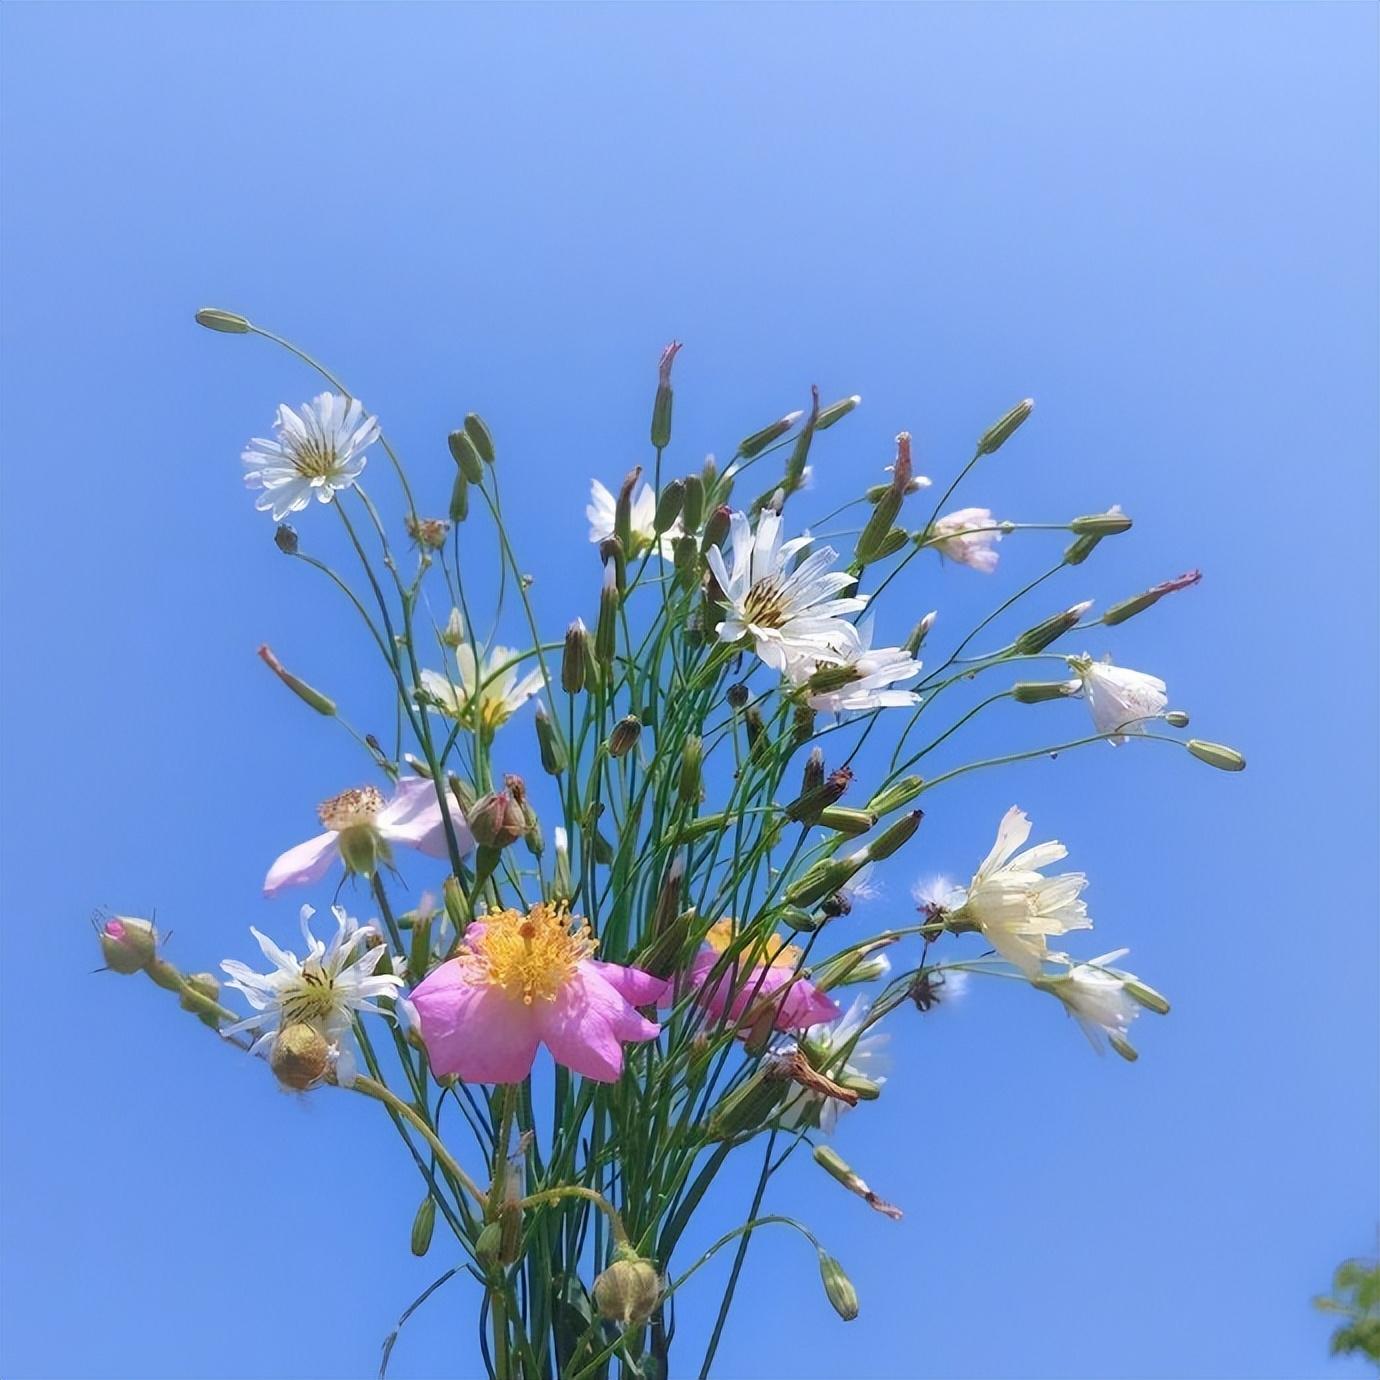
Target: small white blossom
point(827, 1047)
point(878, 671)
point(602, 512)
point(1119, 698)
point(968, 536)
point(789, 615)
point(324, 989)
point(1104, 1001)
point(1014, 904)
point(484, 697)
point(319, 449)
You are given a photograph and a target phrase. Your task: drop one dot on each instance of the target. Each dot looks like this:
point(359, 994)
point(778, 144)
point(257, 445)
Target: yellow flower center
point(314, 459)
point(350, 808)
point(763, 605)
point(530, 956)
point(776, 953)
point(311, 1001)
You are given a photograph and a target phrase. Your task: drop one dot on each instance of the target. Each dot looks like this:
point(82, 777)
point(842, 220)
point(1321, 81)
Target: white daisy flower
point(968, 536)
point(1119, 698)
point(1014, 904)
point(486, 695)
point(317, 449)
point(827, 1047)
point(877, 672)
point(789, 615)
point(323, 990)
point(602, 512)
point(1104, 1001)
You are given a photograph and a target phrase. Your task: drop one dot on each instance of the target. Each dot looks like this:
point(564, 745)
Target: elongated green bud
point(1038, 691)
point(818, 881)
point(1108, 524)
point(1216, 755)
point(802, 724)
point(847, 820)
point(895, 836)
point(548, 744)
point(896, 795)
point(669, 506)
point(1085, 543)
point(480, 435)
point(920, 632)
point(457, 911)
point(691, 766)
point(1128, 608)
point(692, 502)
point(323, 704)
point(216, 320)
point(573, 659)
point(877, 526)
point(1001, 431)
point(489, 1243)
point(465, 455)
point(831, 414)
point(625, 734)
point(622, 508)
point(661, 407)
point(806, 807)
point(459, 499)
point(419, 949)
point(1039, 637)
point(838, 1168)
point(891, 543)
point(760, 440)
point(800, 452)
point(423, 1224)
point(716, 528)
point(838, 1287)
point(698, 828)
point(1176, 718)
point(803, 921)
point(1147, 997)
point(748, 1107)
point(605, 630)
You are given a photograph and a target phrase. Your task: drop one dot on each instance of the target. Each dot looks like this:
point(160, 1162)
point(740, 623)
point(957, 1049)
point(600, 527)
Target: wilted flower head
point(521, 981)
point(323, 989)
point(488, 693)
point(361, 828)
point(1013, 903)
point(835, 1049)
point(1119, 698)
point(317, 449)
point(1104, 1001)
point(790, 615)
point(968, 536)
point(762, 975)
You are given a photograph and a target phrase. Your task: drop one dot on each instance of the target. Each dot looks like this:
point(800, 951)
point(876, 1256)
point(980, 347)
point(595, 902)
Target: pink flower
point(968, 536)
point(525, 980)
point(361, 829)
point(738, 991)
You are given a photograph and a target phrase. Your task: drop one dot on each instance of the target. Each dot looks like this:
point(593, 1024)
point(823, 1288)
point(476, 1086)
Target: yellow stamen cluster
point(776, 953)
point(530, 956)
point(311, 1000)
point(314, 458)
point(356, 806)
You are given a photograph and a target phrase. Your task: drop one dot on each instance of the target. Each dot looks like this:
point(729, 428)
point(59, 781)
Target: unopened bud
point(323, 704)
point(806, 807)
point(838, 1287)
point(1001, 431)
point(831, 414)
point(457, 910)
point(573, 659)
point(749, 1106)
point(423, 1224)
point(1084, 544)
point(627, 1293)
point(463, 452)
point(884, 514)
point(760, 440)
point(668, 506)
point(1037, 691)
point(692, 502)
point(830, 678)
point(846, 820)
point(128, 945)
point(1128, 608)
point(459, 499)
point(691, 766)
point(661, 407)
point(1039, 637)
point(895, 836)
point(285, 538)
point(625, 735)
point(300, 1057)
point(622, 508)
point(891, 543)
point(1216, 755)
point(606, 628)
point(453, 634)
point(716, 528)
point(549, 744)
point(838, 1168)
point(488, 1244)
point(1177, 718)
point(896, 795)
point(818, 881)
point(1108, 524)
point(480, 437)
point(216, 320)
point(802, 724)
point(497, 820)
point(814, 770)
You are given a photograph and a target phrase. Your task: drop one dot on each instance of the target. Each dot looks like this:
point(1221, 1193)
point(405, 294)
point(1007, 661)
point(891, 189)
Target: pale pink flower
point(756, 980)
point(361, 829)
point(968, 536)
point(521, 981)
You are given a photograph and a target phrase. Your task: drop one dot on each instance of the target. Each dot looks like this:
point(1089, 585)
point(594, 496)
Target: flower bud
point(846, 820)
point(895, 836)
point(573, 659)
point(749, 1106)
point(716, 528)
point(622, 508)
point(891, 544)
point(628, 1291)
point(668, 506)
point(691, 766)
point(423, 1224)
point(488, 1243)
point(802, 921)
point(480, 437)
point(1176, 718)
point(760, 440)
point(838, 1287)
point(818, 881)
point(605, 630)
point(1147, 997)
point(813, 776)
point(285, 538)
point(200, 989)
point(463, 452)
point(685, 553)
point(1001, 431)
point(1108, 524)
point(1084, 544)
point(1039, 637)
point(453, 634)
point(1216, 755)
point(692, 502)
point(1128, 608)
point(323, 704)
point(128, 945)
point(548, 744)
point(625, 735)
point(884, 514)
point(300, 1057)
point(829, 678)
point(802, 724)
point(661, 407)
point(836, 1166)
point(899, 793)
point(806, 807)
point(831, 414)
point(459, 499)
point(457, 909)
point(497, 820)
point(1037, 691)
point(920, 632)
point(216, 320)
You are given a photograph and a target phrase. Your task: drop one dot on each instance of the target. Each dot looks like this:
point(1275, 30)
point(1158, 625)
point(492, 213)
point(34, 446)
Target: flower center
point(314, 458)
point(530, 956)
point(312, 1000)
point(350, 808)
point(776, 954)
point(764, 605)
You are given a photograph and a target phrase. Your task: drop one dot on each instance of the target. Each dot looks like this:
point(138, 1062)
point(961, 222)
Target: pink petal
point(585, 1025)
point(635, 986)
point(413, 817)
point(714, 1001)
point(474, 1031)
point(305, 863)
point(805, 1005)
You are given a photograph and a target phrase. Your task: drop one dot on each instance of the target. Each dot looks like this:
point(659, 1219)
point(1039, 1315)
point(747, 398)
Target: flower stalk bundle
point(583, 1020)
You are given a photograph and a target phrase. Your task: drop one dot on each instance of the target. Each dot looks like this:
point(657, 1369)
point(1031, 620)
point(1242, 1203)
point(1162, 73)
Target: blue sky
point(1158, 220)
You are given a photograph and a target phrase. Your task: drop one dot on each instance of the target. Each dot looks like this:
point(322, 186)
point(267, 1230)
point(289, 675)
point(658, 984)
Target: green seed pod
point(301, 1057)
point(480, 437)
point(1001, 431)
point(1176, 718)
point(423, 1224)
point(846, 820)
point(605, 630)
point(490, 1240)
point(661, 406)
point(1216, 755)
point(685, 555)
point(716, 528)
point(838, 1287)
point(831, 414)
point(465, 455)
point(818, 881)
point(626, 1294)
point(884, 514)
point(216, 320)
point(622, 508)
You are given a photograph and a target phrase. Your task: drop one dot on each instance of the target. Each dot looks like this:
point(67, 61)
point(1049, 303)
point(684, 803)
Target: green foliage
point(1355, 1297)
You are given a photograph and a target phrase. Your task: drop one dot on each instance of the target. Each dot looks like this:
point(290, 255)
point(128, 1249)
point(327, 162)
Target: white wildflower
point(1119, 698)
point(968, 536)
point(319, 449)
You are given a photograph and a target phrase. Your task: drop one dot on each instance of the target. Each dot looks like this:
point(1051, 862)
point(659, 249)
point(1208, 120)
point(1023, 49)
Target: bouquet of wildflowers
point(644, 949)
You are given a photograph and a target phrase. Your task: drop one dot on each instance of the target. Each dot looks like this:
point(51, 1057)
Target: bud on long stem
point(661, 407)
point(463, 452)
point(760, 440)
point(1001, 431)
point(1128, 608)
point(323, 704)
point(831, 414)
